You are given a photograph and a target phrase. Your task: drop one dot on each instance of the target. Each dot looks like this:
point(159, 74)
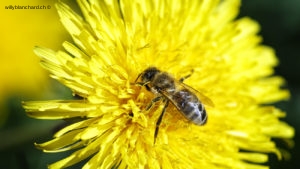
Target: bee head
point(147, 75)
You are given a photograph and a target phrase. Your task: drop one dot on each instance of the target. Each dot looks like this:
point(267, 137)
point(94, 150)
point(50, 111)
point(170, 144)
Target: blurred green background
point(22, 78)
point(280, 28)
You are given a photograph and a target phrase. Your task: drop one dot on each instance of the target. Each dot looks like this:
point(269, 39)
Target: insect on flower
point(187, 100)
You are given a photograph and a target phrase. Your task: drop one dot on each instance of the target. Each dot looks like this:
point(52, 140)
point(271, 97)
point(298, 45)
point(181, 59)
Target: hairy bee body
point(179, 94)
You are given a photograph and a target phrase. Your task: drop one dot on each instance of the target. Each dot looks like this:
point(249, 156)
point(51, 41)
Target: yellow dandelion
point(220, 56)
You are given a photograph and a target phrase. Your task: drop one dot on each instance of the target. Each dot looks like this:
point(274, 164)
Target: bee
point(187, 100)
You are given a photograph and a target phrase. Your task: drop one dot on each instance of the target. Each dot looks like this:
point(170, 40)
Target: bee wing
point(204, 99)
point(169, 97)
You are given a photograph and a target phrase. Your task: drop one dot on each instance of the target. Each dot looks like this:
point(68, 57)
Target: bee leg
point(148, 88)
point(159, 120)
point(187, 76)
point(156, 99)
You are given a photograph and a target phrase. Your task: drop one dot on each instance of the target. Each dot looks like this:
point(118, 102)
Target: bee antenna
point(138, 77)
point(139, 83)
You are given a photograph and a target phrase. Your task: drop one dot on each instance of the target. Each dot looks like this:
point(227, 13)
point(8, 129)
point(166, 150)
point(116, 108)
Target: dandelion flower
point(115, 41)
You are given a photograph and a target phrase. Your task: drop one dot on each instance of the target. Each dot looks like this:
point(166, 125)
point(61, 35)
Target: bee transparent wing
point(169, 97)
point(204, 99)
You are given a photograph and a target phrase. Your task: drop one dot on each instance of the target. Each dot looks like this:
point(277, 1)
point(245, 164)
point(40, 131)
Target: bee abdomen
point(196, 113)
point(200, 117)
